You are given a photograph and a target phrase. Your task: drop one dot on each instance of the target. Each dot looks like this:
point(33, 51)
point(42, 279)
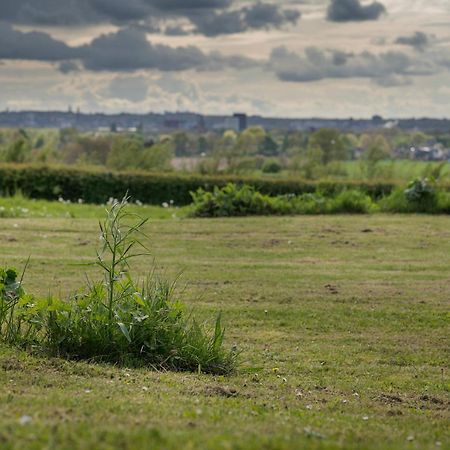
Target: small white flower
point(24, 420)
point(165, 205)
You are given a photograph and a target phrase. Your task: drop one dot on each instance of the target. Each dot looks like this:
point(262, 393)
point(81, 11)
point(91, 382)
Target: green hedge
point(97, 186)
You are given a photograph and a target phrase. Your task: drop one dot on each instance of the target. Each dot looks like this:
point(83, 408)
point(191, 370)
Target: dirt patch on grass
point(425, 402)
point(221, 391)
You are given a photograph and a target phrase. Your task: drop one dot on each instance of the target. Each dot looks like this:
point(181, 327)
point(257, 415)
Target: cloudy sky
point(289, 58)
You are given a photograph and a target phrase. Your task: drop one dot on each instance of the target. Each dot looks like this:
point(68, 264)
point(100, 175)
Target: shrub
point(421, 196)
point(233, 200)
point(97, 186)
point(115, 320)
point(352, 202)
point(271, 166)
point(311, 204)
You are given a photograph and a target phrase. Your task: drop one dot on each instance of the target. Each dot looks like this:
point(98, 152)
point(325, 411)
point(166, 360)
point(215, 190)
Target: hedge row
point(95, 186)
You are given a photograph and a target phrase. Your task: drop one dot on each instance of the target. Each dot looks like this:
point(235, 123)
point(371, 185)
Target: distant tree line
point(312, 154)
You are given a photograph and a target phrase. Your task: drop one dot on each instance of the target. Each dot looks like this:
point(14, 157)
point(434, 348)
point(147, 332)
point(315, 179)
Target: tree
point(268, 146)
point(250, 140)
point(331, 143)
point(157, 157)
point(293, 142)
point(126, 153)
point(376, 149)
point(17, 151)
point(181, 142)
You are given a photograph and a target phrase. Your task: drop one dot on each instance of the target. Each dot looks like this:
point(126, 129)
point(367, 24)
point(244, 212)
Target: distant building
point(242, 120)
point(228, 123)
point(432, 151)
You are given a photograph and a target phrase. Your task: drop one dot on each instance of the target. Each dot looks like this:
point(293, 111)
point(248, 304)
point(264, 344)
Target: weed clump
point(115, 320)
point(233, 200)
point(422, 195)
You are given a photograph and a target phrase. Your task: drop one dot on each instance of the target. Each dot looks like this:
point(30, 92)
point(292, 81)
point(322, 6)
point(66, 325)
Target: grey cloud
point(214, 24)
point(317, 64)
point(49, 12)
point(126, 50)
point(176, 30)
point(75, 12)
point(418, 40)
point(211, 17)
point(262, 15)
point(189, 4)
point(129, 50)
point(217, 61)
point(353, 10)
point(34, 45)
point(119, 10)
point(258, 16)
point(392, 80)
point(68, 66)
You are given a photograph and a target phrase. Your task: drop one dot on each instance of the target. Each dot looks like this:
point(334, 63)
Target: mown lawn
point(343, 323)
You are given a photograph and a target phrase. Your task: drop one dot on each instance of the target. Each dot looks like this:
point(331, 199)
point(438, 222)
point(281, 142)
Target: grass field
point(343, 323)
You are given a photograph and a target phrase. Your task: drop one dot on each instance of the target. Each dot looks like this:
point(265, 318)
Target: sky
point(289, 58)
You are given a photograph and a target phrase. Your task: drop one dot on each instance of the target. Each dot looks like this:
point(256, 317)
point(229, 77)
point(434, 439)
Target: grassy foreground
point(343, 325)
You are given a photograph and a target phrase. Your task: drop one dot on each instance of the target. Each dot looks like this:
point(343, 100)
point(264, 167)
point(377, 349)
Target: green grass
point(342, 322)
point(19, 206)
point(399, 169)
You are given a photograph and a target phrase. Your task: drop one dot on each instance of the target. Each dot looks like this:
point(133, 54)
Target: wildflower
point(275, 369)
point(165, 205)
point(24, 420)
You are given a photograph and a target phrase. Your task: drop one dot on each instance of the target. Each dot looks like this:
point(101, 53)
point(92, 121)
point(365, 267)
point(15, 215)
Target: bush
point(271, 166)
point(233, 200)
point(311, 204)
point(114, 320)
point(355, 202)
point(421, 196)
point(97, 186)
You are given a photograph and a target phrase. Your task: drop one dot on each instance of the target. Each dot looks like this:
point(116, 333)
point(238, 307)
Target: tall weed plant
point(117, 319)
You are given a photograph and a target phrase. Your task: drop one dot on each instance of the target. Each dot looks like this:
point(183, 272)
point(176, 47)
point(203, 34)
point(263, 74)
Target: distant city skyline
point(290, 58)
